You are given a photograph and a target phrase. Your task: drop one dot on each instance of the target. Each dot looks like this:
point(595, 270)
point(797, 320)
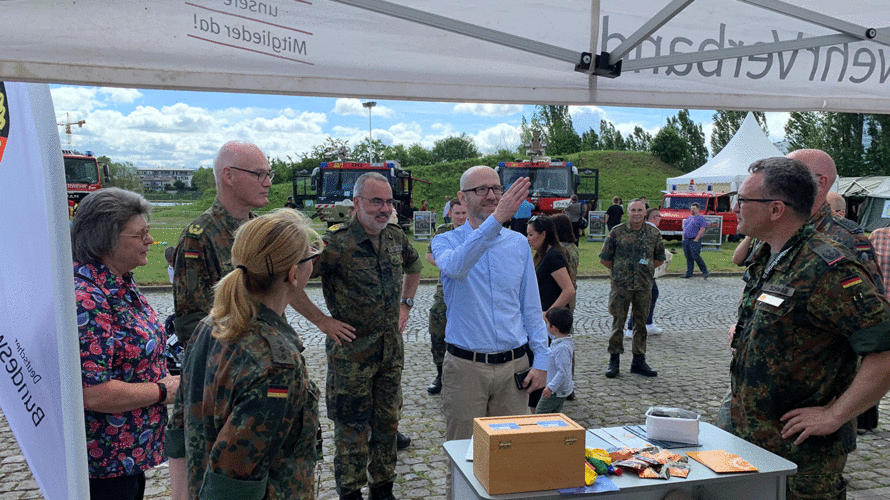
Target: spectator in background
point(614, 214)
point(446, 212)
point(645, 202)
point(170, 257)
point(573, 212)
point(693, 231)
point(423, 207)
point(838, 204)
point(520, 219)
point(653, 217)
point(572, 253)
point(290, 203)
point(631, 252)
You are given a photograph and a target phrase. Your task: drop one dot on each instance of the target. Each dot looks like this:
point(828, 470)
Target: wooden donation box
point(528, 453)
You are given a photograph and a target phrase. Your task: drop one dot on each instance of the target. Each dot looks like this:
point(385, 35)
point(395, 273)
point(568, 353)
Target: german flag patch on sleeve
point(191, 254)
point(277, 391)
point(851, 281)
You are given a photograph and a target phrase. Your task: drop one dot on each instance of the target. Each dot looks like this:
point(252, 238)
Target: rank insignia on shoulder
point(335, 227)
point(196, 229)
point(191, 254)
point(851, 281)
point(277, 391)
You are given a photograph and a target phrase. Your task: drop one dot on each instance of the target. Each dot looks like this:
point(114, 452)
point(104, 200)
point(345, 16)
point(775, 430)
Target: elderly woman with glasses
point(125, 383)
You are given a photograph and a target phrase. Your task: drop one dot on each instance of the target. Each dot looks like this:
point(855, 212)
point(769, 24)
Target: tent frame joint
point(600, 67)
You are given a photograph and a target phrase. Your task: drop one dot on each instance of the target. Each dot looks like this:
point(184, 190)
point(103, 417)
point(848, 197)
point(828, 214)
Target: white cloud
point(488, 109)
point(776, 123)
point(121, 96)
point(353, 107)
point(501, 136)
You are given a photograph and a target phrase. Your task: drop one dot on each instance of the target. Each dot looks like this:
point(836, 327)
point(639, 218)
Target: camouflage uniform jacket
point(251, 413)
point(203, 257)
point(804, 319)
point(852, 236)
point(361, 285)
point(439, 297)
point(633, 253)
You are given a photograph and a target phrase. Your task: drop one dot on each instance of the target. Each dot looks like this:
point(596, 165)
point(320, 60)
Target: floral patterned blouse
point(122, 339)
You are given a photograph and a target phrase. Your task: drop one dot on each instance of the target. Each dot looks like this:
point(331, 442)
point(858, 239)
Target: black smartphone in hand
point(520, 379)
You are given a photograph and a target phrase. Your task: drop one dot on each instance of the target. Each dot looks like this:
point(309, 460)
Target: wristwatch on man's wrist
point(407, 302)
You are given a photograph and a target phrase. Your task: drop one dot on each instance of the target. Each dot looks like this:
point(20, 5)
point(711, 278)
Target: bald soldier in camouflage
point(437, 311)
point(369, 274)
point(808, 311)
point(204, 251)
point(632, 251)
point(204, 256)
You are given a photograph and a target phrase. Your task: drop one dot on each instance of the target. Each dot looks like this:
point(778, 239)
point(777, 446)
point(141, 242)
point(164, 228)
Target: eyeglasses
point(379, 202)
point(741, 200)
point(483, 190)
point(260, 176)
point(141, 234)
point(314, 258)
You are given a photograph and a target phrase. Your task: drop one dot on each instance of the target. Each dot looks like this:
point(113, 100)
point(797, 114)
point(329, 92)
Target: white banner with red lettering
point(40, 388)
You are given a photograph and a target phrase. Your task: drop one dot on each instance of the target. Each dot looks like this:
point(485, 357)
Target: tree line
point(859, 143)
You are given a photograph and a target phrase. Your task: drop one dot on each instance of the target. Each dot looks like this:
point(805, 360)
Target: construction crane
point(67, 124)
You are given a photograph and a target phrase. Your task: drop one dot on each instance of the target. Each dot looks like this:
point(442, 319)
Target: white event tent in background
point(711, 54)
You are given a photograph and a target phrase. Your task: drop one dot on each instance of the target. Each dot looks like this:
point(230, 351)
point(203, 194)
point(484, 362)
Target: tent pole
point(834, 23)
point(649, 27)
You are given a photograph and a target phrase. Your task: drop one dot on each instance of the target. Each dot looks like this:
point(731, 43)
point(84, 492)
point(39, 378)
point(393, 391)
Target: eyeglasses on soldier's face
point(739, 200)
point(261, 176)
point(483, 190)
point(379, 202)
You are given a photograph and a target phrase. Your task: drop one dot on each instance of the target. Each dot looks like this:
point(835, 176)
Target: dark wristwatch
point(407, 302)
point(162, 390)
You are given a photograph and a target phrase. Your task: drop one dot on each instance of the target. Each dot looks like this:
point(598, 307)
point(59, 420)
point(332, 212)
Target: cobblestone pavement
point(691, 358)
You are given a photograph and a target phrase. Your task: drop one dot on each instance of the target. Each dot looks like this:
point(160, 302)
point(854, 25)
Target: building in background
point(161, 179)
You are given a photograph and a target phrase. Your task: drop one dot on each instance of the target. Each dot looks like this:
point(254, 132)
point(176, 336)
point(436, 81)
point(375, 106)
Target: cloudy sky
point(154, 128)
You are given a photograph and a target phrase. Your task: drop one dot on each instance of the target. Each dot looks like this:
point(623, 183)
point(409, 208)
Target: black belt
point(494, 358)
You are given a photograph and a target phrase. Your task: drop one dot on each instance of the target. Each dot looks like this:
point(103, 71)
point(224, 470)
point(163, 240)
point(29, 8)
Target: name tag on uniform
point(644, 261)
point(778, 289)
point(770, 299)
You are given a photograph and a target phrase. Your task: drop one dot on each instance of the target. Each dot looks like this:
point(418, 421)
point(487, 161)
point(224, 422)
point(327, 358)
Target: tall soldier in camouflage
point(632, 251)
point(437, 312)
point(204, 255)
point(251, 408)
point(369, 274)
point(808, 311)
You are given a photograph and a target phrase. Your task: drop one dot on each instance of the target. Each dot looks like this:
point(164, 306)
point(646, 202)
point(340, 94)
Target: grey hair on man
point(788, 181)
point(99, 220)
point(360, 182)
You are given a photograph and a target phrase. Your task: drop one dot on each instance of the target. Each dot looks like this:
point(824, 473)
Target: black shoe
point(571, 397)
point(612, 370)
point(382, 492)
point(639, 366)
point(402, 442)
point(436, 386)
point(355, 495)
point(687, 276)
point(705, 275)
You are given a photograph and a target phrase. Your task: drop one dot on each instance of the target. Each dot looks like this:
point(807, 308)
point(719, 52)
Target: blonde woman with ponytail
point(251, 411)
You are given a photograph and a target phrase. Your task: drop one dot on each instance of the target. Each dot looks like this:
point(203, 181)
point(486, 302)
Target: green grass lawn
point(165, 230)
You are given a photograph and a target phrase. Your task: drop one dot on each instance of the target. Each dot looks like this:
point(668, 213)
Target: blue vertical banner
point(40, 388)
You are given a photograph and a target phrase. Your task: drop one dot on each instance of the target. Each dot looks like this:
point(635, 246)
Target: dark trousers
point(649, 320)
point(692, 252)
point(118, 488)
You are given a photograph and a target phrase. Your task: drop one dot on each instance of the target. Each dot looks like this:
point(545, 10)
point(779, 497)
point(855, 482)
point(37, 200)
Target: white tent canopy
point(727, 170)
point(710, 54)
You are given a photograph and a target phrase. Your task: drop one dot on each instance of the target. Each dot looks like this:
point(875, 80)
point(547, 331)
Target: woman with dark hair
point(251, 410)
point(126, 388)
point(554, 283)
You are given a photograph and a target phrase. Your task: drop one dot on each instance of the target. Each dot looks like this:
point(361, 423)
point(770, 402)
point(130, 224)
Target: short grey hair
point(788, 180)
point(360, 182)
point(99, 220)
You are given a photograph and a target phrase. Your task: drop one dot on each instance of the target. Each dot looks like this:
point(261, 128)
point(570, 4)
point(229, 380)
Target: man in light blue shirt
point(493, 307)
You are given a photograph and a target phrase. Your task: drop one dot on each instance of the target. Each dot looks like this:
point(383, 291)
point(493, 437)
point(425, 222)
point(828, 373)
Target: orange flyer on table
point(721, 461)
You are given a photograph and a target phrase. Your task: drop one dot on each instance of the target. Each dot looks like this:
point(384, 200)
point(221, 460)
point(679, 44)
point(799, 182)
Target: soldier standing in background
point(369, 274)
point(437, 312)
point(204, 256)
point(632, 251)
point(808, 311)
